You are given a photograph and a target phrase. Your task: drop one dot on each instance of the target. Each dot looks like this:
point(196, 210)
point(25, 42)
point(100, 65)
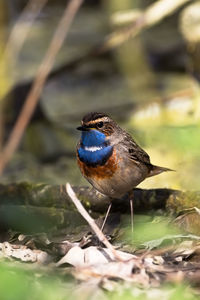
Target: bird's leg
point(131, 207)
point(106, 216)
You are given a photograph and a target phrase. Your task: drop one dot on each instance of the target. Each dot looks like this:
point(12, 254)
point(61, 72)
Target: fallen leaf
point(23, 253)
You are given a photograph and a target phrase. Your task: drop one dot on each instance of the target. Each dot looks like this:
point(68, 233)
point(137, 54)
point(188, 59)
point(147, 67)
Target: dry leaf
point(23, 253)
point(91, 256)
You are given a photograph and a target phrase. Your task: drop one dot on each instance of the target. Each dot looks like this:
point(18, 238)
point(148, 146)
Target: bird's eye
point(100, 125)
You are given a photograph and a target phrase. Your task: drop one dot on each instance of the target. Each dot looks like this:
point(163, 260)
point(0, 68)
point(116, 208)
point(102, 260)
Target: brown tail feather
point(155, 170)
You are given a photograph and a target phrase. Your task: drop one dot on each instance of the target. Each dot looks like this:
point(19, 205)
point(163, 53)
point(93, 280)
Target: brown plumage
point(127, 164)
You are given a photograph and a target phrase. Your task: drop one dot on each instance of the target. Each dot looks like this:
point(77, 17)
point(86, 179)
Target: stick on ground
point(91, 222)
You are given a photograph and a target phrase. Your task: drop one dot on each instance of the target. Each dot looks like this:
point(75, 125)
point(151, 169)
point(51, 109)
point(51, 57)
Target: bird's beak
point(83, 128)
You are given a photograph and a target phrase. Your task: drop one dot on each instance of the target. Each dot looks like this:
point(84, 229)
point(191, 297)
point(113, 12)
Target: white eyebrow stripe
point(93, 148)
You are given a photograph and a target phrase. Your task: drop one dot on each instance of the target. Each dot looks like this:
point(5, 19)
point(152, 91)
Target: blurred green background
point(149, 84)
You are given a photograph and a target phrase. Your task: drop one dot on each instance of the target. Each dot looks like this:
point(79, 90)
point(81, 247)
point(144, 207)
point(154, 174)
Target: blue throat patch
point(94, 138)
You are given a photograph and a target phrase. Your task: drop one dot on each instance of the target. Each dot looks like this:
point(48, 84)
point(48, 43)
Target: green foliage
point(170, 292)
point(180, 138)
point(182, 292)
point(148, 228)
point(19, 284)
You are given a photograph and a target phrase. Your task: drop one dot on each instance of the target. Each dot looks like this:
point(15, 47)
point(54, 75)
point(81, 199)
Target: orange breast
point(99, 172)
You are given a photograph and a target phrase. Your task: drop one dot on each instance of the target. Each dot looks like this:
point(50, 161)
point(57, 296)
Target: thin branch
point(91, 221)
point(151, 16)
point(12, 49)
point(140, 21)
point(44, 69)
point(21, 28)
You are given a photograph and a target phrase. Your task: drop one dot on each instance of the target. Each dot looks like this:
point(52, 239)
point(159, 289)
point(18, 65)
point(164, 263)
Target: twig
point(142, 20)
point(21, 28)
point(91, 222)
point(151, 16)
point(33, 97)
point(106, 217)
point(12, 49)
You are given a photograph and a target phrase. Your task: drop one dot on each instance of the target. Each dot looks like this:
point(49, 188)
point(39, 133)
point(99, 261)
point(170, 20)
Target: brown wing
point(135, 152)
point(138, 155)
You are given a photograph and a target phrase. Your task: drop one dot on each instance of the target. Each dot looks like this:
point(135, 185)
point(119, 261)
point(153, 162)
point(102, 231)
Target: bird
point(110, 159)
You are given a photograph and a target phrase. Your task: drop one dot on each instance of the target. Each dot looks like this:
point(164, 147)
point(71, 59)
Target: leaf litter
point(103, 264)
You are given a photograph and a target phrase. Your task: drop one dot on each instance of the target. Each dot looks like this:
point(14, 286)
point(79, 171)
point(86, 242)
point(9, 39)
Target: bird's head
point(97, 128)
point(99, 122)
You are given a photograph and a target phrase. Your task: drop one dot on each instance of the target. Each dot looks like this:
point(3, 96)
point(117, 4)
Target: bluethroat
point(109, 158)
